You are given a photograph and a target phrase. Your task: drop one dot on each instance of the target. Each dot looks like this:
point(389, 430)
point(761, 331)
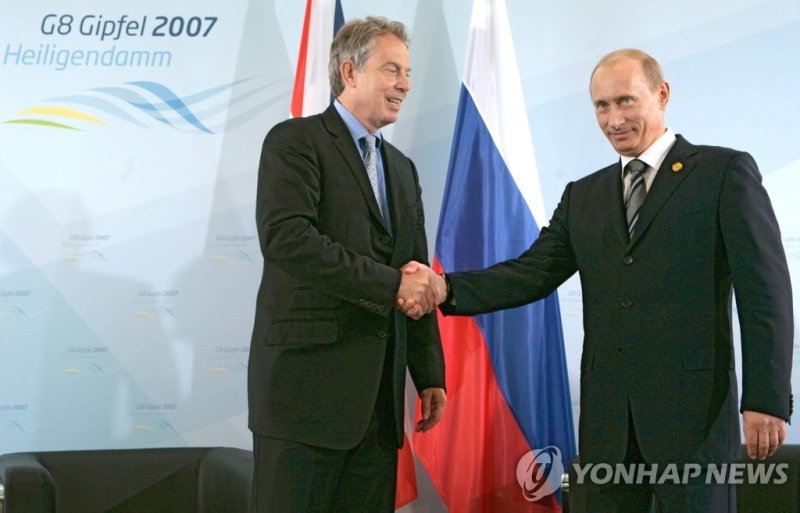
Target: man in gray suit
point(660, 239)
point(339, 211)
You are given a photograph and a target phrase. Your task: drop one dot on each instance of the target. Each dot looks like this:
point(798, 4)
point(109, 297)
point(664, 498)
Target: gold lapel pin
point(677, 167)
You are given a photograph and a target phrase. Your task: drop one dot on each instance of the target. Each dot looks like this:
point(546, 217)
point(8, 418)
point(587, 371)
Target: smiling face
point(629, 109)
point(374, 93)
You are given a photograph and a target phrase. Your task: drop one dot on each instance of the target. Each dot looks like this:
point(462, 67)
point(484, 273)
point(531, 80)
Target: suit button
point(626, 303)
point(628, 259)
point(382, 334)
point(386, 240)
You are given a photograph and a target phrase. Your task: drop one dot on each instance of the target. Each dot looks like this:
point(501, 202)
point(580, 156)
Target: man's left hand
point(433, 402)
point(763, 434)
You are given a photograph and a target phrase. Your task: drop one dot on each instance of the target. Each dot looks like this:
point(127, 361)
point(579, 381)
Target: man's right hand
point(431, 284)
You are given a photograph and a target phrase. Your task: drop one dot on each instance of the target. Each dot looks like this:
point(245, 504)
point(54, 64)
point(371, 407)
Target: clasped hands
point(421, 290)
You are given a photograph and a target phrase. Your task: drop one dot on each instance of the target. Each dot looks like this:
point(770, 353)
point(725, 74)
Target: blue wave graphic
point(166, 94)
point(171, 100)
point(137, 100)
point(100, 104)
point(162, 104)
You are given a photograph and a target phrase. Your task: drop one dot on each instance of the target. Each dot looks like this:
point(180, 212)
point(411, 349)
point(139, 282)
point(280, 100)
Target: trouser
point(291, 477)
point(693, 496)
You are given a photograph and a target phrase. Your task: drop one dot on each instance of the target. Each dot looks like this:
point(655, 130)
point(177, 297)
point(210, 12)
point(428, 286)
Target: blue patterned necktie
point(371, 163)
point(636, 193)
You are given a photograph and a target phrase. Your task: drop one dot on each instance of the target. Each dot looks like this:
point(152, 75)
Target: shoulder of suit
point(715, 150)
point(298, 123)
point(703, 149)
point(290, 129)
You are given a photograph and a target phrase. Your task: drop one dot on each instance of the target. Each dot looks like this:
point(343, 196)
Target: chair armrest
point(773, 497)
point(28, 486)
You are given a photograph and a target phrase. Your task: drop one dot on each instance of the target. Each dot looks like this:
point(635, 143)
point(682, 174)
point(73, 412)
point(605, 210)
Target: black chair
point(772, 497)
point(174, 480)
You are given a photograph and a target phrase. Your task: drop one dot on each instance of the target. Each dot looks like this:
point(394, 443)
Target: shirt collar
point(354, 126)
point(656, 153)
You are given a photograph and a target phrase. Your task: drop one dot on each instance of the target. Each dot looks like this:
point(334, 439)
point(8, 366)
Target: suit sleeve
point(762, 287)
point(530, 277)
point(287, 213)
point(425, 356)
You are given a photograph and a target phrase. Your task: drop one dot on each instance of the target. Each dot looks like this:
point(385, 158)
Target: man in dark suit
point(660, 244)
point(339, 211)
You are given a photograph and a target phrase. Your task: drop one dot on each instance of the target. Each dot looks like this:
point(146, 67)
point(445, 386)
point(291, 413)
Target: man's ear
point(348, 73)
point(663, 94)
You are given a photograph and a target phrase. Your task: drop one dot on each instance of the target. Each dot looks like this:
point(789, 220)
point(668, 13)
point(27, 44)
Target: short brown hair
point(650, 66)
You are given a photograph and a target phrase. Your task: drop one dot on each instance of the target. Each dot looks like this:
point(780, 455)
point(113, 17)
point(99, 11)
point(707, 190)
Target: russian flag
point(507, 433)
point(312, 90)
point(312, 95)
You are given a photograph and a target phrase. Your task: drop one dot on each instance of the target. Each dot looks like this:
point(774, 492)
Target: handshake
point(421, 290)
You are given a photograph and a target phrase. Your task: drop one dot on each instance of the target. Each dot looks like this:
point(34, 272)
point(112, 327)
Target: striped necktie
point(636, 193)
point(371, 163)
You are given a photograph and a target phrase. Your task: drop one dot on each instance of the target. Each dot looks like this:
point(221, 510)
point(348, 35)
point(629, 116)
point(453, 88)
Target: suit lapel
point(345, 145)
point(394, 187)
point(676, 167)
point(401, 193)
point(614, 183)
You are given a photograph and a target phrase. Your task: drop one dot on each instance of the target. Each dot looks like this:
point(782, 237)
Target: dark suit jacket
point(657, 308)
point(324, 312)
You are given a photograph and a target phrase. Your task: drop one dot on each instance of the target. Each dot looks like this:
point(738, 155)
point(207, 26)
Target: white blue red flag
point(507, 433)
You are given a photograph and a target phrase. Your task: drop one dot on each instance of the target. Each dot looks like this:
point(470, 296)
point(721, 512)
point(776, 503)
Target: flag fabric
point(312, 91)
point(312, 95)
point(507, 384)
point(406, 490)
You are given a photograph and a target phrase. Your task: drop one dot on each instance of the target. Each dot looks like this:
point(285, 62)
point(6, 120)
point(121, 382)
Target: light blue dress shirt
point(358, 132)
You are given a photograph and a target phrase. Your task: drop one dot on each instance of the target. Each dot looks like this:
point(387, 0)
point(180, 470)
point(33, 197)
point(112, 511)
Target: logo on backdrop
point(539, 473)
point(141, 103)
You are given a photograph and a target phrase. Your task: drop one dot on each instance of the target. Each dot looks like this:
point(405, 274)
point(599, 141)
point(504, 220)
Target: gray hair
point(355, 41)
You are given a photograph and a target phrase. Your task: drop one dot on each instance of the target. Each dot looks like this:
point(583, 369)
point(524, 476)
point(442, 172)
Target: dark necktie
point(636, 193)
